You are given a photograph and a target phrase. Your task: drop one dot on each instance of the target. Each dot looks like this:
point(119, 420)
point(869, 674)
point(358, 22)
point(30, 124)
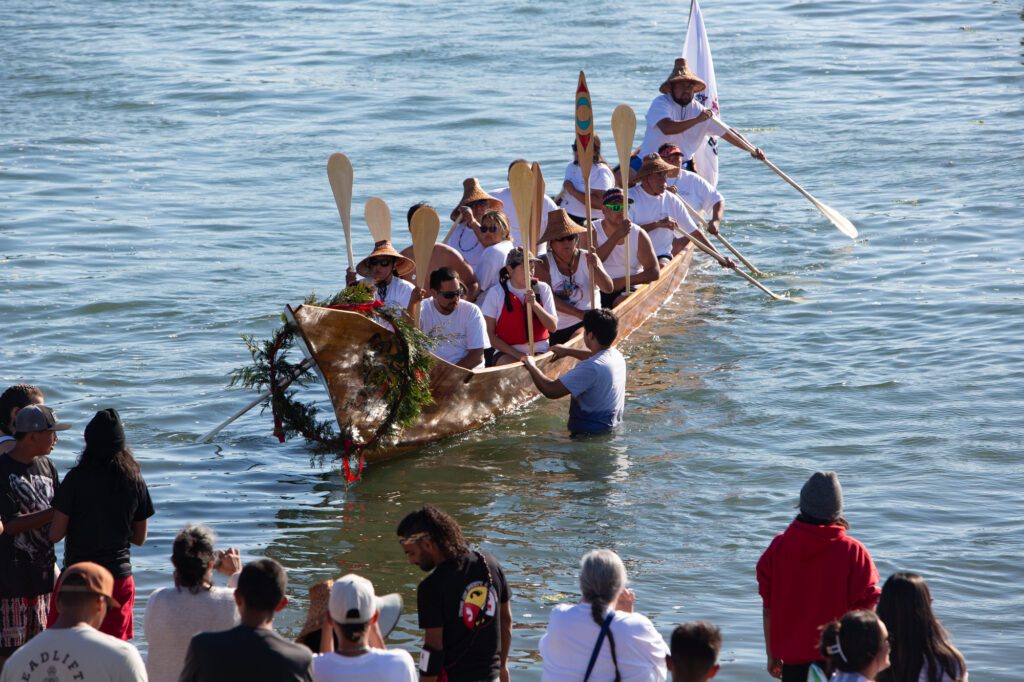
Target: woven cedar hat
point(403, 265)
point(653, 163)
point(681, 73)
point(560, 225)
point(471, 192)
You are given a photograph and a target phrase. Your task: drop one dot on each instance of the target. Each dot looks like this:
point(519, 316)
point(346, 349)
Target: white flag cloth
point(697, 53)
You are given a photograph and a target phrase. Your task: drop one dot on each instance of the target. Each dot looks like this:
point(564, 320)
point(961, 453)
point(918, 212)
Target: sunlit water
point(162, 191)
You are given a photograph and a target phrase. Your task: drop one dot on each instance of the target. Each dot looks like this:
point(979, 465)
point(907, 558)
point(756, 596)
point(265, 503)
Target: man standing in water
point(675, 117)
point(597, 384)
point(463, 605)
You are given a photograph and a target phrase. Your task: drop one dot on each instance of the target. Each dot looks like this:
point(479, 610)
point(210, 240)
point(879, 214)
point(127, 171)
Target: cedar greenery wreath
point(399, 379)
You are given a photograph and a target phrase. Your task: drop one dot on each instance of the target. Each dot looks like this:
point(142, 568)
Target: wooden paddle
point(339, 174)
point(378, 219)
point(535, 216)
point(835, 217)
point(721, 261)
point(585, 154)
point(424, 228)
point(624, 130)
point(521, 182)
point(703, 223)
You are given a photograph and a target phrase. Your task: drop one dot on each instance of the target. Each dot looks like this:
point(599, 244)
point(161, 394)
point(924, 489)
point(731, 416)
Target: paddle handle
point(283, 383)
point(718, 257)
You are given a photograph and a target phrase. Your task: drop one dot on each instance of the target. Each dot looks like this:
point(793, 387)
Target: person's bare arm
point(735, 141)
point(717, 211)
point(472, 359)
point(26, 522)
point(140, 530)
point(465, 272)
point(549, 321)
point(59, 526)
point(601, 277)
point(561, 351)
point(549, 388)
point(434, 639)
point(670, 126)
point(651, 268)
point(506, 639)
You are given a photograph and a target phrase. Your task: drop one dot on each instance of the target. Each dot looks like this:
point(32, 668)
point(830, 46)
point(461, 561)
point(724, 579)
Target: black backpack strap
point(597, 647)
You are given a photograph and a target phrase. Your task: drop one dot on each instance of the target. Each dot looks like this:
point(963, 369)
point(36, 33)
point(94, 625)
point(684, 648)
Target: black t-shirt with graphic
point(101, 511)
point(26, 559)
point(457, 597)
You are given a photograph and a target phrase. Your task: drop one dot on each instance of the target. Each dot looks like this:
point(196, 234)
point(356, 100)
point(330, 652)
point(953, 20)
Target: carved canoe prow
point(341, 343)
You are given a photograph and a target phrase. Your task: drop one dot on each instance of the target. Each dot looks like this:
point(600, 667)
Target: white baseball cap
point(353, 601)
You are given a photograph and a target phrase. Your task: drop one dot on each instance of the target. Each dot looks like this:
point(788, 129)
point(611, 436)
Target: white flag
point(697, 53)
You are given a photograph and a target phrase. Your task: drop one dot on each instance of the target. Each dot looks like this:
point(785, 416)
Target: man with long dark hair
point(463, 604)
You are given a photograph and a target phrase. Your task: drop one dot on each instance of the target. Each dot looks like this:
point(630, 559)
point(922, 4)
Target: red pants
point(118, 623)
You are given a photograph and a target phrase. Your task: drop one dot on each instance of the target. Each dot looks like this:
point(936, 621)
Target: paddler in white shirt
point(675, 117)
point(475, 202)
point(695, 191)
point(458, 323)
point(380, 269)
point(660, 212)
point(443, 256)
point(505, 196)
point(614, 234)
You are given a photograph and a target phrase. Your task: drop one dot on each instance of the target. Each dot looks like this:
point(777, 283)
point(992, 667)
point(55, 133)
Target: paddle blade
point(425, 227)
point(378, 219)
point(624, 130)
point(520, 181)
point(584, 128)
point(536, 215)
point(838, 219)
point(339, 174)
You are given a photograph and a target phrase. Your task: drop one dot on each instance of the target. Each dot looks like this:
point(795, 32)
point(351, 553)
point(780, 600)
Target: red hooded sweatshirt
point(809, 576)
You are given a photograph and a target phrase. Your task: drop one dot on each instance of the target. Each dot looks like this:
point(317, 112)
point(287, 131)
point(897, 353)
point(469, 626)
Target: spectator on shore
point(353, 614)
point(463, 604)
point(857, 647)
point(695, 648)
point(811, 574)
point(100, 510)
point(72, 648)
point(11, 402)
point(921, 648)
point(28, 481)
point(252, 650)
point(597, 384)
point(602, 638)
point(175, 614)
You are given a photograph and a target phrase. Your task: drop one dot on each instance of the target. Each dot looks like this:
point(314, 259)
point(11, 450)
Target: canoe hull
point(464, 400)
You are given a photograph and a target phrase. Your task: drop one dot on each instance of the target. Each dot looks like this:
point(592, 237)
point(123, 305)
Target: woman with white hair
point(601, 638)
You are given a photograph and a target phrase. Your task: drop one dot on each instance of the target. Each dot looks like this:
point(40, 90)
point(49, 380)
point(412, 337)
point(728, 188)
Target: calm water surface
point(162, 191)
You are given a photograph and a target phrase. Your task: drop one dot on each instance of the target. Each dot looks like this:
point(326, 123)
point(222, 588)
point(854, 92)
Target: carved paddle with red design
point(585, 153)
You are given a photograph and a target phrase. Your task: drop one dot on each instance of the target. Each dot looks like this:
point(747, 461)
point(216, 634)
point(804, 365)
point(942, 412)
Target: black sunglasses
point(380, 262)
point(570, 238)
point(488, 228)
point(450, 294)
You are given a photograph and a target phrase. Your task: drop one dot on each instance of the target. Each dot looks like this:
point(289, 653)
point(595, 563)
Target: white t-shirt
point(376, 665)
point(72, 654)
point(398, 292)
point(173, 616)
point(569, 641)
point(696, 191)
point(662, 107)
point(492, 260)
point(494, 300)
point(464, 330)
point(615, 263)
point(574, 290)
point(649, 209)
point(464, 241)
point(601, 178)
point(505, 195)
point(598, 388)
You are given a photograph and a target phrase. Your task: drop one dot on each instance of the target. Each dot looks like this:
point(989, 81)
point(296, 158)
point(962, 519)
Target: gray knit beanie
point(822, 496)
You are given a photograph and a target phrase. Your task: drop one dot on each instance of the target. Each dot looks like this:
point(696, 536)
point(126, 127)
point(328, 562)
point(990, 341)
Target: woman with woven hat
point(566, 269)
point(102, 508)
point(383, 270)
point(573, 195)
point(474, 203)
point(504, 307)
point(676, 117)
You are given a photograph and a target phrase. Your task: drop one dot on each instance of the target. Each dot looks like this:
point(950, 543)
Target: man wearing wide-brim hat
point(678, 117)
point(661, 212)
point(695, 191)
point(567, 268)
point(383, 270)
point(474, 204)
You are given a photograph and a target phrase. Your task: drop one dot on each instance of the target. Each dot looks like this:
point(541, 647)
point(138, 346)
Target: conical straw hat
point(403, 265)
point(560, 225)
point(653, 163)
point(472, 192)
point(681, 73)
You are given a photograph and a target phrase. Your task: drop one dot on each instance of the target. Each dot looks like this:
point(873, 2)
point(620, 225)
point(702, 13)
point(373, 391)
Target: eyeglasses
point(450, 294)
point(570, 238)
point(380, 262)
point(488, 228)
point(614, 207)
point(474, 204)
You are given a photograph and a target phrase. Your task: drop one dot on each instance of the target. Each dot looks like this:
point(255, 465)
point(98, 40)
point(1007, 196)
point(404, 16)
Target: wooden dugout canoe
point(337, 342)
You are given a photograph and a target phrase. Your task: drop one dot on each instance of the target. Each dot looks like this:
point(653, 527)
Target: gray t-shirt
point(77, 653)
point(598, 388)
